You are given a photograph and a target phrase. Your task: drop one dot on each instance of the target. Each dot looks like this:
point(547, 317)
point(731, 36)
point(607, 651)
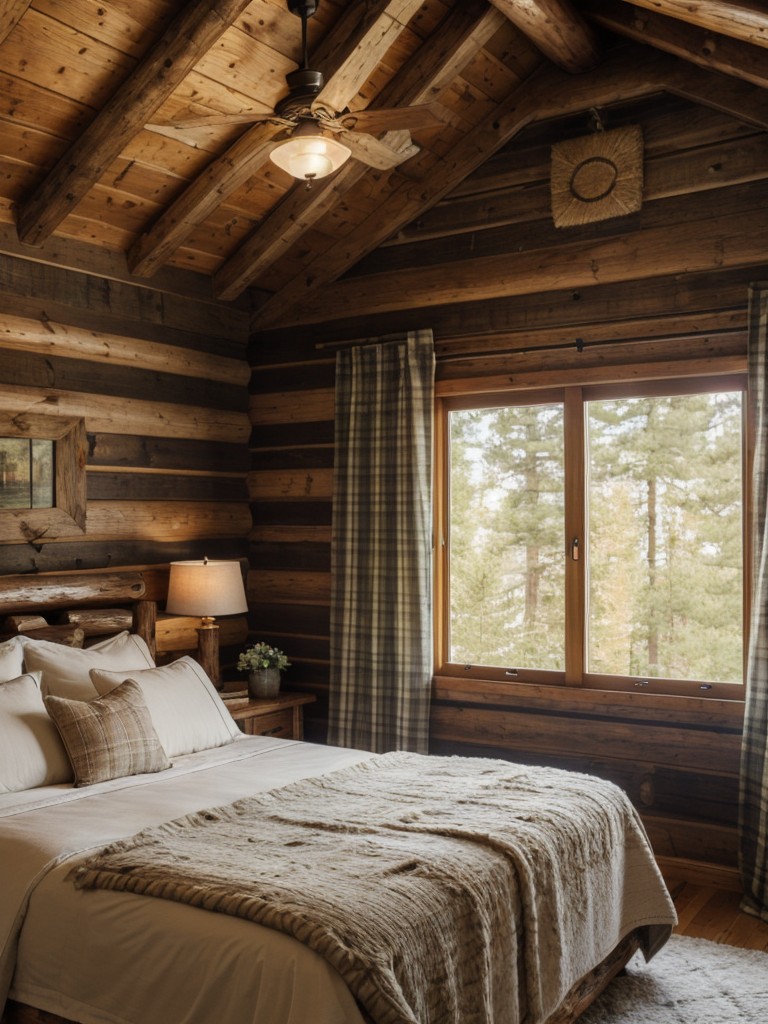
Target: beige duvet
point(119, 957)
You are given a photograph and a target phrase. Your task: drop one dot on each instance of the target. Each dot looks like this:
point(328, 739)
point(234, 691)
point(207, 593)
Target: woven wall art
point(597, 177)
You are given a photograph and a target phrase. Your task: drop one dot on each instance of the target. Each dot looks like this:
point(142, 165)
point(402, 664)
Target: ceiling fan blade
point(375, 153)
point(261, 133)
point(392, 118)
point(204, 120)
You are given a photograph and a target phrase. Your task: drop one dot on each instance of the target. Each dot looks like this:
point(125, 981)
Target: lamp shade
point(310, 154)
point(206, 588)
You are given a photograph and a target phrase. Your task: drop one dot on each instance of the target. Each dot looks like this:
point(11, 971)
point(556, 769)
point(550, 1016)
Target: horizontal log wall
point(160, 377)
point(679, 759)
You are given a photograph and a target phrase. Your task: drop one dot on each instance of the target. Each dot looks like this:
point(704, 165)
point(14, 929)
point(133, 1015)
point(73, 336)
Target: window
point(42, 477)
point(26, 472)
point(594, 536)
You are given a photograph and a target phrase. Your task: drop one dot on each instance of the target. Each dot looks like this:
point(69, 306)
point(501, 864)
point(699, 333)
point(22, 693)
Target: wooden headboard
point(82, 607)
point(78, 608)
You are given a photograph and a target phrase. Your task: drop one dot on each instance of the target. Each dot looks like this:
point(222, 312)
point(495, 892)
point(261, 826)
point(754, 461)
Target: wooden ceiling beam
point(282, 227)
point(707, 49)
point(740, 100)
point(350, 54)
point(188, 37)
point(740, 19)
point(364, 29)
point(557, 29)
point(549, 92)
point(720, 242)
point(464, 31)
point(220, 179)
point(9, 16)
point(443, 55)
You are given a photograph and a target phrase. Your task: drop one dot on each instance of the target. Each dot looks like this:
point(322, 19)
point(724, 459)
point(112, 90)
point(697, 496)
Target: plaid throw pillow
point(108, 737)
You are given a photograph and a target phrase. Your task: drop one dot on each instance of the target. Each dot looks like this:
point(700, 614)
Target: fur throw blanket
point(442, 889)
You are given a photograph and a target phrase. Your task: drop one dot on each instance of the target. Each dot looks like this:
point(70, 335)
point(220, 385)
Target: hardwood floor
point(709, 912)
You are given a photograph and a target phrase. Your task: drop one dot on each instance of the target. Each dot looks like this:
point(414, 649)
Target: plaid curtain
point(754, 752)
point(381, 607)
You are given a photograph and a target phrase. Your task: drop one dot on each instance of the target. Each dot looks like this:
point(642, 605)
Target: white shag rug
point(690, 981)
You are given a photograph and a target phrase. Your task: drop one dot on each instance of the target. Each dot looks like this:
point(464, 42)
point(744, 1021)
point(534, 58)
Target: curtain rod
point(580, 345)
point(384, 339)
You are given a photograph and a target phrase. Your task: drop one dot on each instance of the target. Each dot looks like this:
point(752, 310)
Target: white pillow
point(11, 659)
point(31, 751)
point(66, 669)
point(186, 711)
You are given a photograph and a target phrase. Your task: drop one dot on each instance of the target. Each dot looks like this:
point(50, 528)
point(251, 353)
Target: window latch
point(575, 552)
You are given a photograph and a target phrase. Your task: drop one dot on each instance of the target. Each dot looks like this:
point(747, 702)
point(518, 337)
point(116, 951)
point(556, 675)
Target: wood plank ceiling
point(126, 127)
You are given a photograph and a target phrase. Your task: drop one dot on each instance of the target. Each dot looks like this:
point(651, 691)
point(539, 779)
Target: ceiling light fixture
point(310, 153)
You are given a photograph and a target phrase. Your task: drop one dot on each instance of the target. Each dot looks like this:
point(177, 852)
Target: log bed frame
point(129, 599)
point(80, 608)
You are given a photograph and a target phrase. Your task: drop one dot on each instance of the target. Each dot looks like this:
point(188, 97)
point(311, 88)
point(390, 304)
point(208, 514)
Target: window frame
point(67, 517)
point(472, 394)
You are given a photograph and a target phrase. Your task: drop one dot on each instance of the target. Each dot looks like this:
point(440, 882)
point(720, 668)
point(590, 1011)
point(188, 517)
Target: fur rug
point(691, 981)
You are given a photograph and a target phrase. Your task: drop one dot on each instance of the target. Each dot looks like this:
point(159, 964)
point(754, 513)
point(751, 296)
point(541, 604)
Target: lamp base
point(208, 650)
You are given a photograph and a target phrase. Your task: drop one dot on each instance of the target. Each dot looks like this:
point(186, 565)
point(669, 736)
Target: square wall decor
point(597, 177)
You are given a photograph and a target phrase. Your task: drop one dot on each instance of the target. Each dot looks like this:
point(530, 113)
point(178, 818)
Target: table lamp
point(206, 589)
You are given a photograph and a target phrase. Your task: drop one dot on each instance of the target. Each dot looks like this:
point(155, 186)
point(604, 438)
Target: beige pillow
point(186, 710)
point(11, 659)
point(31, 751)
point(66, 669)
point(108, 737)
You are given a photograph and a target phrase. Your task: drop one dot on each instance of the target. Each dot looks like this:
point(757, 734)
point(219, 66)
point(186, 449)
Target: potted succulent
point(263, 663)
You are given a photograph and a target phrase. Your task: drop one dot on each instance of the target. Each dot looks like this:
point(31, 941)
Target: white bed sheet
point(115, 958)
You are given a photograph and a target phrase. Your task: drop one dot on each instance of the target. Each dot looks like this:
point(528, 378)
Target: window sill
point(583, 701)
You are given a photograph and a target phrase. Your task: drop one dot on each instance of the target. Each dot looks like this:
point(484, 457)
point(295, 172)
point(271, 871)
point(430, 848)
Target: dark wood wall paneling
point(161, 378)
point(702, 168)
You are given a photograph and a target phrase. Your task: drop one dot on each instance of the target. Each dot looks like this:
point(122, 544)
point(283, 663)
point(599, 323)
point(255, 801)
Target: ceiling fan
point(313, 140)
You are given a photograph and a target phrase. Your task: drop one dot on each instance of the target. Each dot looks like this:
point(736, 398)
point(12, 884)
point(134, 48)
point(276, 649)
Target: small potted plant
point(263, 663)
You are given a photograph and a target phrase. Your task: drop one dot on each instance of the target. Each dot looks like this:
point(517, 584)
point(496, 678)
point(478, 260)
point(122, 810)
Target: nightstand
point(281, 716)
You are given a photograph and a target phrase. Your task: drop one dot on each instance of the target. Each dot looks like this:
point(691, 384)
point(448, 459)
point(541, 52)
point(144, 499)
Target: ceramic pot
point(264, 682)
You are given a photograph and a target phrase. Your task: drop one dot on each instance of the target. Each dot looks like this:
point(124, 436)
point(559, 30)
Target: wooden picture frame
point(67, 516)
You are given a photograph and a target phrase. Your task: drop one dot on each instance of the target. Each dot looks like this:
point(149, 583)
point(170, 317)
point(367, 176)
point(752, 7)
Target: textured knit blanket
point(442, 889)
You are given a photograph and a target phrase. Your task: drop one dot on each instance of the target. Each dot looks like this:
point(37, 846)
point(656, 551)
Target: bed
point(85, 938)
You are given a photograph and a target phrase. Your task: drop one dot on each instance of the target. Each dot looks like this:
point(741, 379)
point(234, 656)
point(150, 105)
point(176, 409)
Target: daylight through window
point(594, 536)
point(26, 472)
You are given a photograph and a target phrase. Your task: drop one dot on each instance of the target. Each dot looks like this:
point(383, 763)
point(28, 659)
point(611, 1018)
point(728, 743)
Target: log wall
point(514, 301)
point(185, 458)
point(160, 377)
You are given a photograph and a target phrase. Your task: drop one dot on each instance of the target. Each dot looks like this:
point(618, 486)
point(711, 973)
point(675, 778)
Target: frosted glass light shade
point(310, 156)
point(206, 588)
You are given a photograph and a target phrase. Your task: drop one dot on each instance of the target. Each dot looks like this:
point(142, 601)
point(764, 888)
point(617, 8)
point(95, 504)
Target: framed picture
point(42, 477)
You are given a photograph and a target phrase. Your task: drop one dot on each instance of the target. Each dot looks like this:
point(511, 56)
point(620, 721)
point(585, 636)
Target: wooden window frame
point(67, 517)
point(574, 395)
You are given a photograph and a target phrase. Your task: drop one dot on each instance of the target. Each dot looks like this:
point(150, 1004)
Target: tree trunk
point(653, 628)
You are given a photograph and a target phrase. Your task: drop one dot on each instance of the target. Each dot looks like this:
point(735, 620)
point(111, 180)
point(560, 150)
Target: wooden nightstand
point(281, 716)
